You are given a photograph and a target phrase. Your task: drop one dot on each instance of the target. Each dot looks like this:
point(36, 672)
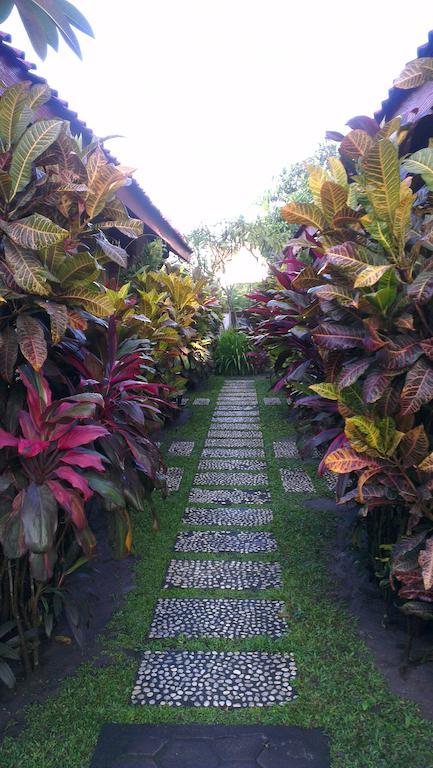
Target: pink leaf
point(74, 479)
point(84, 460)
point(31, 448)
point(81, 435)
point(71, 502)
point(7, 440)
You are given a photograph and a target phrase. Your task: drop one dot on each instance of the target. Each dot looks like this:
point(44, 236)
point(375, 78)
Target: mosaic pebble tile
point(231, 479)
point(174, 478)
point(238, 420)
point(234, 434)
point(181, 447)
point(222, 412)
point(296, 480)
point(201, 401)
point(250, 465)
point(243, 542)
point(211, 679)
point(196, 618)
point(272, 401)
point(285, 449)
point(227, 516)
point(241, 404)
point(234, 575)
point(231, 443)
point(233, 453)
point(330, 479)
point(238, 394)
point(223, 496)
point(235, 398)
point(238, 408)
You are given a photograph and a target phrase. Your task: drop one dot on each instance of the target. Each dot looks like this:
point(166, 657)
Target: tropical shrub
point(231, 353)
point(349, 322)
point(75, 398)
point(178, 316)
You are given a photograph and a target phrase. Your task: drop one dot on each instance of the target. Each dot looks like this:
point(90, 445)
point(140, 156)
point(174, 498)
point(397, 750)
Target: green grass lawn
point(338, 687)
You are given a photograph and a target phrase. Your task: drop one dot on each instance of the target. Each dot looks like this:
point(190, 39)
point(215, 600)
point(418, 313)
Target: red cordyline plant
point(129, 409)
point(48, 462)
point(353, 321)
point(44, 473)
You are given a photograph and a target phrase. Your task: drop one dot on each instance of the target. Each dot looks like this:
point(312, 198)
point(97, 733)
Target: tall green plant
point(231, 353)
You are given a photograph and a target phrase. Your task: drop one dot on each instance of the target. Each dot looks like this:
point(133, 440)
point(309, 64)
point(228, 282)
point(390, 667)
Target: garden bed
point(103, 584)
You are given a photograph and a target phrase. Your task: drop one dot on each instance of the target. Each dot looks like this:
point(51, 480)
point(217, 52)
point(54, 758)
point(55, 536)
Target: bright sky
point(214, 98)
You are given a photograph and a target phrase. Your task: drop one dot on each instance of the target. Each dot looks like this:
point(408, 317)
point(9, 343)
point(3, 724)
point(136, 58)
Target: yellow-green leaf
point(338, 171)
point(363, 434)
point(333, 199)
point(58, 314)
point(31, 340)
point(415, 73)
point(304, 213)
point(11, 104)
point(26, 269)
point(371, 275)
point(34, 232)
point(421, 163)
point(76, 269)
point(356, 144)
point(326, 389)
point(382, 174)
point(96, 303)
point(125, 225)
point(316, 177)
point(33, 142)
point(102, 186)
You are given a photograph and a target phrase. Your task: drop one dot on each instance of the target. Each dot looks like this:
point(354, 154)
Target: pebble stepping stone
point(181, 447)
point(231, 618)
point(251, 465)
point(227, 516)
point(238, 398)
point(201, 401)
point(234, 575)
point(210, 746)
point(223, 496)
point(296, 480)
point(330, 479)
point(227, 442)
point(236, 426)
point(211, 679)
point(225, 541)
point(238, 408)
point(174, 478)
point(272, 401)
point(234, 434)
point(231, 479)
point(233, 453)
point(285, 449)
point(238, 420)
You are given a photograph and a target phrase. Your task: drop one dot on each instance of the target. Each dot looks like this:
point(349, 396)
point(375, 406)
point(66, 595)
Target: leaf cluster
point(348, 319)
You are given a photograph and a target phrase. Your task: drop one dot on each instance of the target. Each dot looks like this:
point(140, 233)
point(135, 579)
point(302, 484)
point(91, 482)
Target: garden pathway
point(229, 505)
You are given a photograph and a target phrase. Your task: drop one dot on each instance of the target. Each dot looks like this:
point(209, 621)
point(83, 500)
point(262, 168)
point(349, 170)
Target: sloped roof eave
point(13, 69)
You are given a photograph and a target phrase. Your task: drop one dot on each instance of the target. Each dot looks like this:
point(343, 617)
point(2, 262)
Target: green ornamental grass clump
point(231, 353)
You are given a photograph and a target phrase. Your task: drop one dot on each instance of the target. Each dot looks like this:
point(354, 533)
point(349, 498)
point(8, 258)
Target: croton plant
point(82, 384)
point(348, 319)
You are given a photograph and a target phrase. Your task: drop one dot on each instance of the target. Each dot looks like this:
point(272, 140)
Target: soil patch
point(364, 600)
